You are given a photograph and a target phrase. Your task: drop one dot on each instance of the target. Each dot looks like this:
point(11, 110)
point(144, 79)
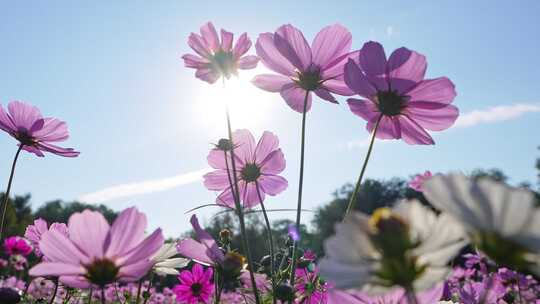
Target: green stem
point(150, 283)
point(6, 195)
point(300, 186)
point(239, 209)
point(139, 291)
point(271, 241)
point(352, 201)
point(90, 296)
point(103, 295)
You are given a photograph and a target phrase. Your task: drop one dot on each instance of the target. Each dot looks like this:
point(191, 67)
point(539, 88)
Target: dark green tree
point(59, 211)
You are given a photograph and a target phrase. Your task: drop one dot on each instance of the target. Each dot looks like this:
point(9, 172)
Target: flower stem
point(139, 291)
point(56, 283)
point(411, 296)
point(239, 210)
point(6, 195)
point(90, 296)
point(300, 185)
point(270, 240)
point(103, 295)
point(352, 201)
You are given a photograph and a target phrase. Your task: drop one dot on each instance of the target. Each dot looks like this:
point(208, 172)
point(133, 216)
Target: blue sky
point(112, 70)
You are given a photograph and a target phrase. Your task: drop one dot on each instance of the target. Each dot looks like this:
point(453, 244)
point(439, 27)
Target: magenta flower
point(205, 250)
point(303, 69)
point(310, 288)
point(257, 165)
point(34, 132)
point(195, 286)
point(34, 232)
point(395, 92)
point(17, 245)
point(96, 253)
point(218, 58)
point(418, 181)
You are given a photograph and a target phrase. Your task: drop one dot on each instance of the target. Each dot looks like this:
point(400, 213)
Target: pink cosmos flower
point(310, 288)
point(418, 181)
point(34, 232)
point(17, 245)
point(205, 250)
point(396, 92)
point(256, 164)
point(218, 58)
point(34, 132)
point(195, 286)
point(303, 69)
point(96, 253)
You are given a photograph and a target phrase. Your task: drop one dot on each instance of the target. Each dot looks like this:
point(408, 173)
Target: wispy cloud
point(495, 114)
point(148, 186)
point(390, 31)
point(474, 118)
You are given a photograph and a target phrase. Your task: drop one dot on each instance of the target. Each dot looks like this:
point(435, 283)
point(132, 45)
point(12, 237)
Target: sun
point(248, 105)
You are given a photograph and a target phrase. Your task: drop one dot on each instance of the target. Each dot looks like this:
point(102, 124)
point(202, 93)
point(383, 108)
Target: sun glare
point(248, 105)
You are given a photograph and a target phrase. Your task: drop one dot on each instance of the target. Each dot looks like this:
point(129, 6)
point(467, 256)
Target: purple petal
point(23, 115)
point(33, 149)
point(294, 96)
point(363, 108)
point(268, 143)
point(226, 197)
point(195, 62)
point(5, 122)
point(65, 152)
point(55, 269)
point(210, 36)
point(248, 62)
point(274, 163)
point(207, 74)
point(325, 94)
point(356, 81)
point(271, 57)
point(431, 115)
point(273, 184)
point(134, 272)
point(226, 40)
point(198, 44)
point(38, 124)
point(330, 43)
point(290, 42)
point(216, 159)
point(389, 127)
point(53, 130)
point(75, 282)
point(194, 250)
point(126, 232)
point(408, 65)
point(373, 59)
point(250, 198)
point(58, 248)
point(144, 250)
point(439, 90)
point(338, 86)
point(207, 240)
point(244, 146)
point(242, 46)
point(216, 180)
point(412, 133)
point(91, 241)
point(271, 83)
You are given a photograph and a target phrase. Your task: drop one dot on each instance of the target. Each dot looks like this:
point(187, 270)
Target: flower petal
point(271, 57)
point(337, 86)
point(242, 46)
point(207, 240)
point(144, 250)
point(91, 241)
point(198, 44)
point(324, 94)
point(405, 69)
point(363, 108)
point(431, 115)
point(248, 62)
point(65, 152)
point(274, 163)
point(217, 180)
point(53, 130)
point(244, 144)
point(290, 42)
point(207, 74)
point(226, 40)
point(135, 271)
point(330, 43)
point(195, 62)
point(357, 82)
point(373, 59)
point(126, 232)
point(58, 248)
point(194, 250)
point(268, 143)
point(23, 115)
point(56, 269)
point(439, 90)
point(6, 123)
point(412, 133)
point(250, 197)
point(389, 127)
point(294, 96)
point(270, 82)
point(210, 36)
point(226, 198)
point(273, 184)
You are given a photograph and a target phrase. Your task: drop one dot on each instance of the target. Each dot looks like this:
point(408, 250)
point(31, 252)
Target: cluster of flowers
point(403, 251)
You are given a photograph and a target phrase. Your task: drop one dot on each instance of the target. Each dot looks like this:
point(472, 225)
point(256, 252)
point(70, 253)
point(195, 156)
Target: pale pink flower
point(34, 232)
point(99, 254)
point(218, 58)
point(418, 181)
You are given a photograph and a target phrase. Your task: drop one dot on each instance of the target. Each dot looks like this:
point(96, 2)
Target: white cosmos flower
point(406, 245)
point(164, 263)
point(502, 221)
